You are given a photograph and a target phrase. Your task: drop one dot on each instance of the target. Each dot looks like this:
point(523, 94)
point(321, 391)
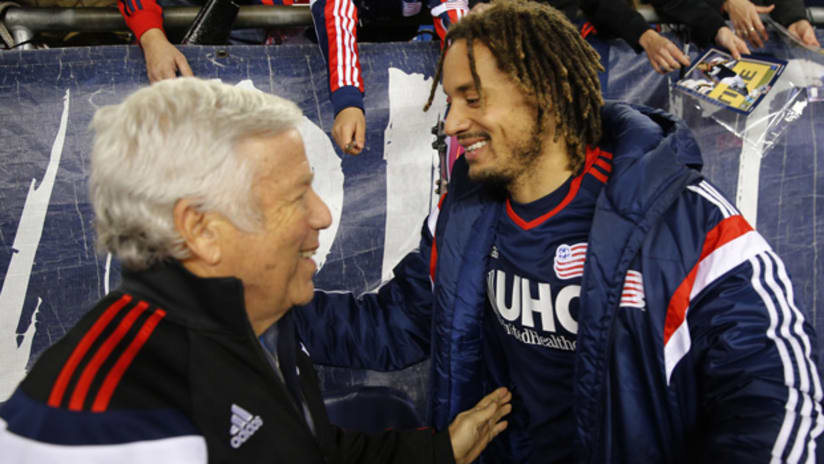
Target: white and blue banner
point(770, 163)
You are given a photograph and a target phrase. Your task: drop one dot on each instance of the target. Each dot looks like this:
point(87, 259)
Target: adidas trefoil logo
point(494, 253)
point(244, 425)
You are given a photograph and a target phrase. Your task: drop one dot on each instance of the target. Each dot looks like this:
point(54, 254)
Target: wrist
point(151, 36)
point(646, 38)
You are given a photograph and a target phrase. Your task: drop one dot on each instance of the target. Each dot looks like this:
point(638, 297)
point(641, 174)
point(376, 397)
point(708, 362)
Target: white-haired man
point(204, 192)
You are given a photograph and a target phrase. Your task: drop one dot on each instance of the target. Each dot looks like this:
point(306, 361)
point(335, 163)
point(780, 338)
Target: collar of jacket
point(213, 304)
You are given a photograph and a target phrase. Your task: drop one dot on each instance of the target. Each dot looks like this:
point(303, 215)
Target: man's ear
point(200, 231)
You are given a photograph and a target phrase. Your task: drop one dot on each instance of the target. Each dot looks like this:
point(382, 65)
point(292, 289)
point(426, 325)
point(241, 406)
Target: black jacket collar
point(214, 304)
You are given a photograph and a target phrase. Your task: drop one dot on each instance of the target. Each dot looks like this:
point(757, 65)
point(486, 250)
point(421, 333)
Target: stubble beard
point(525, 153)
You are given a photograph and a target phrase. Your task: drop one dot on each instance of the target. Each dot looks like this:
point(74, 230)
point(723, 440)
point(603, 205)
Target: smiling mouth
point(307, 254)
point(476, 146)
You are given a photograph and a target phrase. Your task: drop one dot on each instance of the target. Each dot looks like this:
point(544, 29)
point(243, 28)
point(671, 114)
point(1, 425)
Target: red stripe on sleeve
point(104, 395)
point(599, 175)
point(603, 165)
point(86, 378)
point(332, 38)
point(59, 388)
point(725, 231)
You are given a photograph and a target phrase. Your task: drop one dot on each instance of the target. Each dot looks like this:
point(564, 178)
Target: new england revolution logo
point(569, 260)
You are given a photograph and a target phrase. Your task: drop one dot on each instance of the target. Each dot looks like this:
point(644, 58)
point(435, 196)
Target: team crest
point(569, 260)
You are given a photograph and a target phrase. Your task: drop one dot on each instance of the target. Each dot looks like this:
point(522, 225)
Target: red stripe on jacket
point(724, 232)
point(62, 382)
point(104, 395)
point(86, 378)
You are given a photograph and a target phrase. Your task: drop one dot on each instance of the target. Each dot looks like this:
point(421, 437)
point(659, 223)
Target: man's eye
point(473, 101)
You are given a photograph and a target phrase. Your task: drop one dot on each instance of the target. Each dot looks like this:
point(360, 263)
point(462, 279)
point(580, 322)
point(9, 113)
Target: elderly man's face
point(275, 262)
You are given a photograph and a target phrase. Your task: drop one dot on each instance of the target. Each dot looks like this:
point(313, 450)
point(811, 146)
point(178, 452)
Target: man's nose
point(456, 121)
point(320, 217)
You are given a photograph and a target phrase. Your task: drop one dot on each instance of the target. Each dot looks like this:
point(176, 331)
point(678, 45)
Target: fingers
point(663, 55)
point(804, 31)
point(183, 66)
point(726, 39)
point(349, 130)
point(680, 56)
point(360, 136)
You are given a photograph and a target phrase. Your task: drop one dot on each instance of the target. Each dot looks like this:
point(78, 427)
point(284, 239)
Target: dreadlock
point(544, 54)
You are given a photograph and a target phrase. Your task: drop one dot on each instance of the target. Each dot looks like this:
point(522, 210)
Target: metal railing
point(24, 23)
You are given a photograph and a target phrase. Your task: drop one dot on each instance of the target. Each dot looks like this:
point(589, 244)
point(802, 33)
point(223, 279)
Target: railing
point(23, 23)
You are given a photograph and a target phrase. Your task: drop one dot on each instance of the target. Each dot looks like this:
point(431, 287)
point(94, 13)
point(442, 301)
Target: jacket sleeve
point(753, 351)
point(445, 13)
point(787, 12)
point(141, 15)
point(616, 18)
point(383, 330)
point(395, 447)
point(702, 18)
point(336, 24)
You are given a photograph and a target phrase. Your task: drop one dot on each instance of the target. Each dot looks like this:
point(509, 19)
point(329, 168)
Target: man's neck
point(544, 176)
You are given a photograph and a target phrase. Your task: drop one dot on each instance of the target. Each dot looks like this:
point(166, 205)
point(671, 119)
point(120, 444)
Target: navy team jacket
point(717, 365)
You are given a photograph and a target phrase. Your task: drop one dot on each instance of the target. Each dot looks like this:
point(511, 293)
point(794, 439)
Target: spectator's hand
point(804, 31)
point(474, 428)
point(663, 55)
point(349, 130)
point(727, 39)
point(163, 60)
point(745, 20)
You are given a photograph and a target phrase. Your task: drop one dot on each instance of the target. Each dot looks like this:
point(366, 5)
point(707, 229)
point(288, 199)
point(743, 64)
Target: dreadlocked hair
point(546, 57)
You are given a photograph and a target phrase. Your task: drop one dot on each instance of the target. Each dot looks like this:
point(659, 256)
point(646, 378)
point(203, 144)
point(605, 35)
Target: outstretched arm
point(462, 443)
point(387, 329)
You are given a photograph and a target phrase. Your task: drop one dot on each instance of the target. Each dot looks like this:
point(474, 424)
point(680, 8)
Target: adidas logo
point(244, 425)
point(494, 253)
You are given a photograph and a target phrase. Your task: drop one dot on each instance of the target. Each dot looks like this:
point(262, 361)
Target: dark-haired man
point(581, 259)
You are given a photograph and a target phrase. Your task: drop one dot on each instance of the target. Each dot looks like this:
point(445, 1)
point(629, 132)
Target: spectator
point(618, 18)
point(707, 24)
point(580, 259)
point(204, 192)
point(336, 23)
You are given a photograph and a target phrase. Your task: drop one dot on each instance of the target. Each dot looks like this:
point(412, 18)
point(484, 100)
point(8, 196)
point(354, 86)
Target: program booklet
point(735, 84)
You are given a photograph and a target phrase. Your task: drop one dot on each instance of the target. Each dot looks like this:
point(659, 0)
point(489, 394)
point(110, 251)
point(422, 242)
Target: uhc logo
point(569, 260)
point(534, 321)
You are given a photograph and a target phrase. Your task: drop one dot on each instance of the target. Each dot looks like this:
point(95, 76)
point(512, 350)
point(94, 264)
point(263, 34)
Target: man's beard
point(525, 154)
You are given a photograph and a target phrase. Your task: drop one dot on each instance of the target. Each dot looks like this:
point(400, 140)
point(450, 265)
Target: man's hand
point(727, 39)
point(803, 31)
point(163, 60)
point(745, 20)
point(349, 130)
point(474, 428)
point(663, 55)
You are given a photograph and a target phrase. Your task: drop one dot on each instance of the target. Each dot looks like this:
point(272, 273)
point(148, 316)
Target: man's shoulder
point(111, 360)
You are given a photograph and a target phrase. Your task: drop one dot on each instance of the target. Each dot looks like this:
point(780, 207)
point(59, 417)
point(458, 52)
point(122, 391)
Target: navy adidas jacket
point(718, 365)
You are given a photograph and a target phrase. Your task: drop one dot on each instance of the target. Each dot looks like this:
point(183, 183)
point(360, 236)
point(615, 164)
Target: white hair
point(176, 139)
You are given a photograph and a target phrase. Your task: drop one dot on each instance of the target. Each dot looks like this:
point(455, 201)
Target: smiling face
point(497, 128)
point(275, 262)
